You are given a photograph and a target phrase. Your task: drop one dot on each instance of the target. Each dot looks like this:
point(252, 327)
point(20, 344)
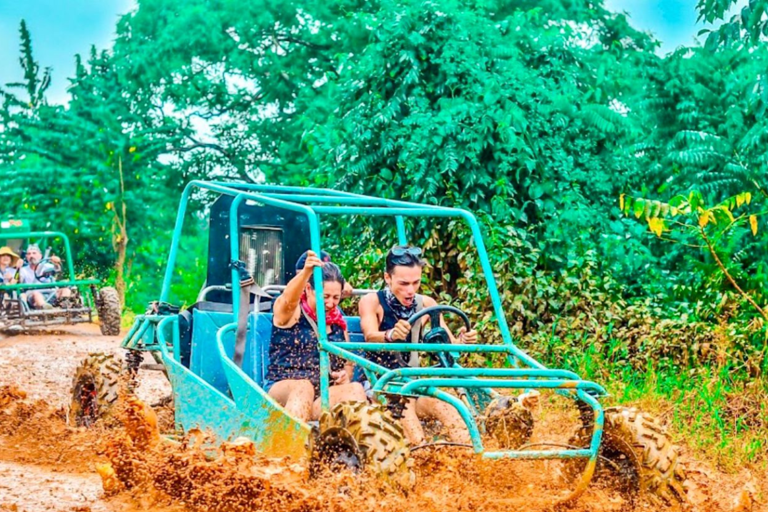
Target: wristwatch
point(388, 335)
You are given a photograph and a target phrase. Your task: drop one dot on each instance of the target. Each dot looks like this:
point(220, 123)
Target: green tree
point(35, 84)
point(92, 169)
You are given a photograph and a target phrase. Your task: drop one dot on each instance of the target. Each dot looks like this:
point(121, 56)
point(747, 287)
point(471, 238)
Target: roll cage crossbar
point(34, 235)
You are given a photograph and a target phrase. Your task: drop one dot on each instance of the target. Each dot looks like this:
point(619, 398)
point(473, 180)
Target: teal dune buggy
point(79, 306)
point(215, 353)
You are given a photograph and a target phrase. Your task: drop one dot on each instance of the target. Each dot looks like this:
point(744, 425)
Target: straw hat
point(7, 250)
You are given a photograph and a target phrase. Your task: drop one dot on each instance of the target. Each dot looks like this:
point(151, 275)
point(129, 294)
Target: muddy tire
point(508, 422)
point(378, 437)
point(109, 311)
point(640, 454)
point(95, 389)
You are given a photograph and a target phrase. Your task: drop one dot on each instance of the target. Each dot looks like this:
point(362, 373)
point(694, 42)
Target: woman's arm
point(288, 301)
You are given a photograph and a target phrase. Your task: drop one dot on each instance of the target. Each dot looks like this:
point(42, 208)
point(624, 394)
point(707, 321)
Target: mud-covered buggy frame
point(230, 400)
point(85, 299)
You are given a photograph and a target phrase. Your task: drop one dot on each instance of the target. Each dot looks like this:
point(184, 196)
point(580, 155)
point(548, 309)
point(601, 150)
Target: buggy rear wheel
point(108, 307)
point(95, 388)
point(361, 435)
point(639, 453)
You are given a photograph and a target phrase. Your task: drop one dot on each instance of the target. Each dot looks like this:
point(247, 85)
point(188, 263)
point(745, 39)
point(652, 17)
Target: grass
point(719, 413)
point(128, 318)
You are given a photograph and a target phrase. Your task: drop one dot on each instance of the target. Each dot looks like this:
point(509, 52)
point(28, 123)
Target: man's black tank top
point(389, 360)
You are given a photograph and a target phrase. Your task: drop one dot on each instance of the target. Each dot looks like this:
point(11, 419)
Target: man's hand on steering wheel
point(438, 334)
point(466, 336)
point(400, 331)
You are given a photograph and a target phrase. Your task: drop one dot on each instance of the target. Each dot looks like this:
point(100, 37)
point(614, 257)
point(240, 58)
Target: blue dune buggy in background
point(216, 352)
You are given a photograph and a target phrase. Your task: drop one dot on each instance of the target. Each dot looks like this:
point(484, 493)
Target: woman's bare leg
point(295, 395)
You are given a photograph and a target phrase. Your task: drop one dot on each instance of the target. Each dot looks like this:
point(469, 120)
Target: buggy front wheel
point(359, 435)
point(638, 452)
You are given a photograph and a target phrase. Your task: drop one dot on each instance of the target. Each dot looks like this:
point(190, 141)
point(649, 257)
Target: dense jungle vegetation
point(622, 192)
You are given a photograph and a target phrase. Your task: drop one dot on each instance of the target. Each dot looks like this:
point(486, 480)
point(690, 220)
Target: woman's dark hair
point(403, 256)
point(331, 274)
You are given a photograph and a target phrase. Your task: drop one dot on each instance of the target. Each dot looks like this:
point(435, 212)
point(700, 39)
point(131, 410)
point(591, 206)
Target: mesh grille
point(261, 248)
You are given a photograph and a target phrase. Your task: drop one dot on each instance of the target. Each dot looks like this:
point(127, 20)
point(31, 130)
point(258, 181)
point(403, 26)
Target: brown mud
point(47, 464)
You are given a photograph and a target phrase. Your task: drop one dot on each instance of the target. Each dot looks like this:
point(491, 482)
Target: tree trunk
point(120, 238)
point(121, 247)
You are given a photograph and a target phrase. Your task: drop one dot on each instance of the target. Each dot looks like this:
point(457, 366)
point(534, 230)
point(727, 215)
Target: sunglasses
point(402, 251)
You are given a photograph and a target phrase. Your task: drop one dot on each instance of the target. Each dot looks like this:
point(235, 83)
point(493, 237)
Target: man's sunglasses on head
point(403, 250)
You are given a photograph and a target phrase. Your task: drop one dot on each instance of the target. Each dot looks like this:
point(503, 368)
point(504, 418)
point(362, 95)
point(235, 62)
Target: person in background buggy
point(10, 264)
point(41, 271)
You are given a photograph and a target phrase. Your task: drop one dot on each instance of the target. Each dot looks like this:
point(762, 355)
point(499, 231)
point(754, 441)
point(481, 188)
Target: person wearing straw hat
point(9, 265)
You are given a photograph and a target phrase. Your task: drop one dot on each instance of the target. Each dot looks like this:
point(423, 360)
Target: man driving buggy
point(37, 271)
point(384, 319)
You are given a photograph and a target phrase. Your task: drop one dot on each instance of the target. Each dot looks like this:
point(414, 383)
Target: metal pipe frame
point(142, 324)
point(470, 372)
point(47, 234)
point(298, 199)
point(41, 286)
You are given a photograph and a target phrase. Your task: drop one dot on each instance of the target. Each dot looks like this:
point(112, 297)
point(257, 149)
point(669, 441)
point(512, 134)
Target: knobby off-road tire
point(109, 311)
point(95, 388)
point(508, 422)
point(640, 452)
point(379, 437)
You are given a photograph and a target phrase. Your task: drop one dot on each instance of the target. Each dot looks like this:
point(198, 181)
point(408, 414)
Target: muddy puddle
point(125, 465)
point(45, 464)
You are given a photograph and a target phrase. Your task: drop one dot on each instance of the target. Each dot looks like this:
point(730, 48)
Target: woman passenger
point(9, 266)
point(293, 373)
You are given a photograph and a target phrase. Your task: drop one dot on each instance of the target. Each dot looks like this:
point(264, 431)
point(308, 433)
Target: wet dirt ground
point(46, 464)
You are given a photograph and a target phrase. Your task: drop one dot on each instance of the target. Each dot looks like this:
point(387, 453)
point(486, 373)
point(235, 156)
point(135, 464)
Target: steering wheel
point(50, 273)
point(437, 333)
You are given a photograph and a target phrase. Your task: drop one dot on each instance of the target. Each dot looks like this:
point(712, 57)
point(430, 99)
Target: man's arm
point(369, 320)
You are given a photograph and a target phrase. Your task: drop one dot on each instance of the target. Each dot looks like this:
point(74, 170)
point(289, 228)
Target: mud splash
point(141, 470)
point(35, 432)
point(234, 478)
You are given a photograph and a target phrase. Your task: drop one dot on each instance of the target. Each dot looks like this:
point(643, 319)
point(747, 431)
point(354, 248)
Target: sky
point(673, 22)
point(62, 28)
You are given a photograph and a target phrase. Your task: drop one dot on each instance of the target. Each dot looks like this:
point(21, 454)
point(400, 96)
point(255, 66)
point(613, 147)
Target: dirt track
point(42, 365)
point(47, 465)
